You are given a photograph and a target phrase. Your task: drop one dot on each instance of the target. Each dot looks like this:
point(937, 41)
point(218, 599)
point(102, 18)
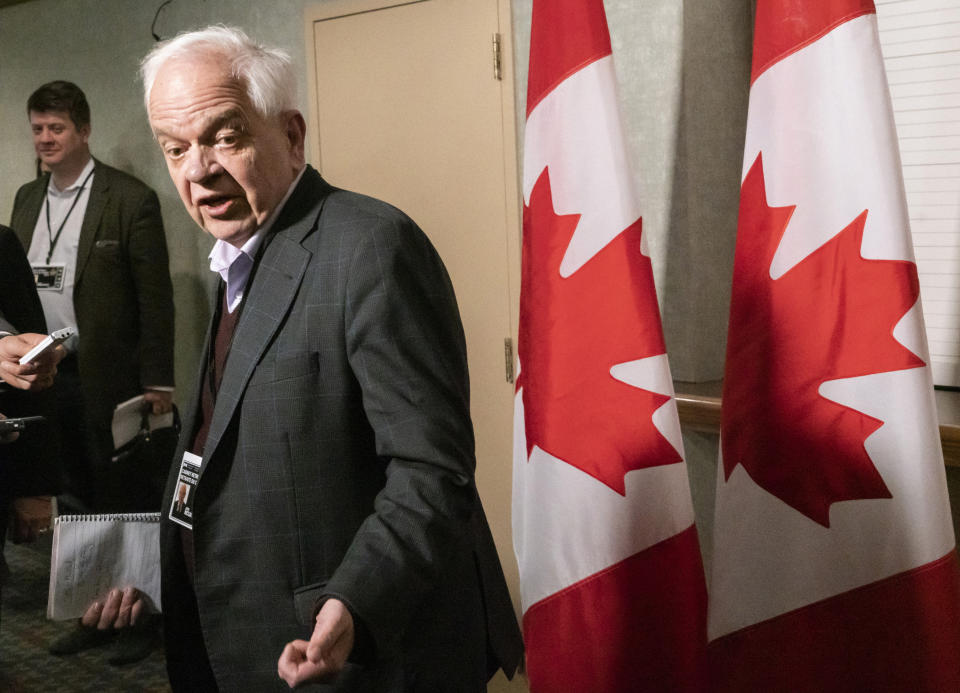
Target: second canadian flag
point(834, 565)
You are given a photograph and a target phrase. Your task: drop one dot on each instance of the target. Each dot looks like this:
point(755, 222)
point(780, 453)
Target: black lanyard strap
point(76, 198)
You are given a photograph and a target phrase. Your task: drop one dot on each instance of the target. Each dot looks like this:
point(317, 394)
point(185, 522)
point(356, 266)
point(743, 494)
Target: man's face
point(230, 165)
point(57, 140)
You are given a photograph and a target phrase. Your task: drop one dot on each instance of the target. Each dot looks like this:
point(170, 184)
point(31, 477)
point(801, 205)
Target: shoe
point(78, 639)
point(133, 645)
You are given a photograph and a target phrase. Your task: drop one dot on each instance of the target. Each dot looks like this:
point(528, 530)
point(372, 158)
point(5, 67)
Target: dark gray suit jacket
point(122, 295)
point(340, 462)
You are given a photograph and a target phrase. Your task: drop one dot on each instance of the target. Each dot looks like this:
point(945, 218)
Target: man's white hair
point(266, 73)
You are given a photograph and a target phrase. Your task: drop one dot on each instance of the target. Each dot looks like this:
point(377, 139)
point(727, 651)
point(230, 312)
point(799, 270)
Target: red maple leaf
point(831, 316)
point(573, 330)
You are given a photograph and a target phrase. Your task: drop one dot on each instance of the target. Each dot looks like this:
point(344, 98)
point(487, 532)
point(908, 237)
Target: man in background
point(95, 240)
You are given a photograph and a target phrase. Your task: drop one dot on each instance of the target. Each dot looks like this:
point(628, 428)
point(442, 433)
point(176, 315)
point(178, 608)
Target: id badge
point(49, 277)
point(181, 508)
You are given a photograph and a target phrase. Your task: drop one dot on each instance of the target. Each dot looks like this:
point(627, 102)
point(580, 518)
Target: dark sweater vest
point(226, 323)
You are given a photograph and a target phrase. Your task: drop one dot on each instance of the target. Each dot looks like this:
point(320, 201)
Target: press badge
point(181, 508)
point(49, 277)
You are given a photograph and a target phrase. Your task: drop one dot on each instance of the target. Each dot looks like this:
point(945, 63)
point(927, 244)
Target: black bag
point(142, 463)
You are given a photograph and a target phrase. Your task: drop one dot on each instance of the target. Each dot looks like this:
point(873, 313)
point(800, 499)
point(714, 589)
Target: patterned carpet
point(25, 632)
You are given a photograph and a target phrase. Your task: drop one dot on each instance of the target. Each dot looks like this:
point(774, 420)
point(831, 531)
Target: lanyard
point(76, 198)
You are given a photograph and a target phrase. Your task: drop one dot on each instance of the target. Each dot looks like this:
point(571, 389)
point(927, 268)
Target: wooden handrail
point(699, 407)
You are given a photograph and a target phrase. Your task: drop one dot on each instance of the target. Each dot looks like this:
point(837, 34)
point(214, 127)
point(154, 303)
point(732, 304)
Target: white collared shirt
point(233, 264)
point(58, 305)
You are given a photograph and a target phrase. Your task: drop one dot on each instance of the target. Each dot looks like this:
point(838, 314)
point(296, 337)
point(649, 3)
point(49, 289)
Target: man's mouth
point(217, 205)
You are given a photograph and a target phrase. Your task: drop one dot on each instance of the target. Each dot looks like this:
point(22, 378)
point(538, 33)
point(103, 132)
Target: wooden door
point(406, 106)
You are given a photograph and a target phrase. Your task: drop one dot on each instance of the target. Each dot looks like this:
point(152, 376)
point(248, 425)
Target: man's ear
point(84, 131)
point(296, 130)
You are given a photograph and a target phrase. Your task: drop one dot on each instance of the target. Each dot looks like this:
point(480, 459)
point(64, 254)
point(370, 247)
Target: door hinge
point(497, 59)
point(508, 358)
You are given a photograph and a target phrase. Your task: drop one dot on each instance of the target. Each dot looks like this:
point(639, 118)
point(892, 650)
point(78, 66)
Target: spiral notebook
point(93, 553)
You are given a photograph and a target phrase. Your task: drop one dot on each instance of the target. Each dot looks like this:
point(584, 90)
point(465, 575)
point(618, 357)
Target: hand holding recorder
point(29, 361)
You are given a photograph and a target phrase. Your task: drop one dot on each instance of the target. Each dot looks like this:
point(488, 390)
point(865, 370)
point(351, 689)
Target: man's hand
point(324, 656)
point(8, 437)
point(36, 375)
point(160, 401)
point(119, 609)
point(31, 517)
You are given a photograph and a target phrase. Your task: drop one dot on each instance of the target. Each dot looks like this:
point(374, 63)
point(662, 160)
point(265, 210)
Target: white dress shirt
point(58, 304)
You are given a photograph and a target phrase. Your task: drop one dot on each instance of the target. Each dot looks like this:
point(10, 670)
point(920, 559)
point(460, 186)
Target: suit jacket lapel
point(91, 218)
point(269, 295)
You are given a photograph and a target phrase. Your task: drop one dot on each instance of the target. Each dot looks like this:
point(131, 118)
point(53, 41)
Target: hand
point(8, 437)
point(31, 517)
point(36, 375)
point(119, 609)
point(324, 656)
point(160, 401)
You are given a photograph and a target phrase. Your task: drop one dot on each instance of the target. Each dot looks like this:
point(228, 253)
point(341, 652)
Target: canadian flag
point(612, 585)
point(834, 565)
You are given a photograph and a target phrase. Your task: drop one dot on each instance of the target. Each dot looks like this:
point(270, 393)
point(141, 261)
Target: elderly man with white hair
point(334, 531)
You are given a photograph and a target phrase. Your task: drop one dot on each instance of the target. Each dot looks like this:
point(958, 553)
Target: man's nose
point(201, 164)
